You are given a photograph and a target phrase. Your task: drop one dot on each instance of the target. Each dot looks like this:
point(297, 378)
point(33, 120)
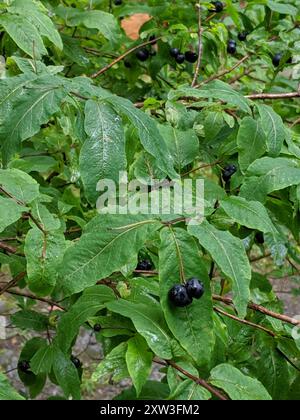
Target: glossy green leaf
point(149, 322)
point(10, 212)
point(7, 392)
point(66, 375)
point(91, 301)
point(237, 385)
point(180, 254)
point(106, 246)
point(251, 214)
point(27, 319)
point(251, 142)
point(19, 185)
point(44, 254)
point(139, 362)
point(230, 255)
point(273, 127)
point(103, 153)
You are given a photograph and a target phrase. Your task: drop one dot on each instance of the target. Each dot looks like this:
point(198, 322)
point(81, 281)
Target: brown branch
point(200, 46)
point(289, 95)
point(224, 72)
point(12, 283)
point(261, 257)
point(152, 273)
point(245, 322)
point(122, 56)
point(196, 379)
point(37, 223)
point(40, 299)
point(9, 195)
point(261, 309)
point(206, 165)
point(8, 248)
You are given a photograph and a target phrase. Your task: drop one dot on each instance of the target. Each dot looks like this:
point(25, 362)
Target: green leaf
point(103, 154)
point(149, 322)
point(273, 127)
point(148, 133)
point(272, 369)
point(91, 301)
point(139, 362)
point(24, 33)
point(251, 142)
point(216, 90)
point(10, 212)
point(237, 385)
point(152, 391)
point(32, 109)
point(267, 175)
point(230, 255)
point(284, 9)
point(7, 391)
point(114, 364)
point(44, 254)
point(189, 390)
point(109, 242)
point(106, 23)
point(179, 254)
point(40, 20)
point(43, 359)
point(183, 145)
point(27, 319)
point(66, 374)
point(35, 383)
point(20, 185)
point(251, 214)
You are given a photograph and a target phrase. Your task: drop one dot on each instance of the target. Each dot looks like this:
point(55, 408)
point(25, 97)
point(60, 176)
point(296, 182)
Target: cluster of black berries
point(189, 56)
point(118, 2)
point(228, 172)
point(182, 295)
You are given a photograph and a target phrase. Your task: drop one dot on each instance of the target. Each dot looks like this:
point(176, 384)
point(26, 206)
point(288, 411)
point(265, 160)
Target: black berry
point(218, 6)
point(242, 36)
point(231, 46)
point(276, 59)
point(127, 64)
point(153, 39)
point(180, 58)
point(97, 328)
point(24, 366)
point(194, 288)
point(142, 54)
point(118, 2)
point(144, 265)
point(290, 60)
point(174, 52)
point(259, 238)
point(76, 362)
point(191, 56)
point(179, 297)
point(228, 172)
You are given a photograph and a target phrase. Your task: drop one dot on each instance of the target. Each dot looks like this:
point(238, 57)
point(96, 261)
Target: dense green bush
point(202, 94)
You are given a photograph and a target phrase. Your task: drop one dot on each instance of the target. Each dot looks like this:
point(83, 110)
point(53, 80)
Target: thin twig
point(33, 297)
point(196, 379)
point(8, 248)
point(200, 46)
point(261, 309)
point(224, 72)
point(122, 56)
point(12, 283)
point(206, 165)
point(244, 321)
point(289, 95)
